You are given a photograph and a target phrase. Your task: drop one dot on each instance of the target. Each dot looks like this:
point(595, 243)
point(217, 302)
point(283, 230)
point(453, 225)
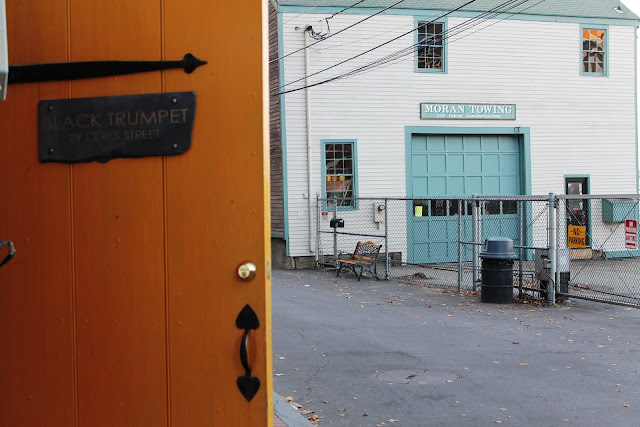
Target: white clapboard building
point(445, 98)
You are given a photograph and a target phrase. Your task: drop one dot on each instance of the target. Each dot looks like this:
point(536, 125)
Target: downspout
point(307, 91)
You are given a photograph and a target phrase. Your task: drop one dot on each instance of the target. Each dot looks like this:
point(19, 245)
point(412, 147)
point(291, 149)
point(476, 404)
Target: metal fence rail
point(437, 242)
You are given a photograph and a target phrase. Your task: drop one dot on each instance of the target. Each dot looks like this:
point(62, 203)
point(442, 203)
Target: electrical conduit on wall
point(312, 244)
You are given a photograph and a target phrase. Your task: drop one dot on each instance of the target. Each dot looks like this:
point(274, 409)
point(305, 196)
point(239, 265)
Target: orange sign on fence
point(577, 236)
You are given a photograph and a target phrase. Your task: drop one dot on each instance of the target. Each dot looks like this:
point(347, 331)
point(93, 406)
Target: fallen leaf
point(503, 409)
point(306, 412)
point(498, 422)
point(314, 418)
point(516, 342)
point(295, 405)
point(324, 401)
point(341, 415)
point(524, 364)
point(391, 420)
point(625, 405)
point(365, 415)
point(288, 399)
point(628, 309)
point(296, 369)
point(278, 375)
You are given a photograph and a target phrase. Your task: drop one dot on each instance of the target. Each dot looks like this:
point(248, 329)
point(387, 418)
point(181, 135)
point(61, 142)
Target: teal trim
point(606, 49)
point(445, 44)
point(323, 143)
point(283, 129)
point(622, 254)
point(413, 12)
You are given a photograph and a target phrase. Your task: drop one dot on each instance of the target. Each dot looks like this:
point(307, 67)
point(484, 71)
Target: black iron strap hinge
point(94, 69)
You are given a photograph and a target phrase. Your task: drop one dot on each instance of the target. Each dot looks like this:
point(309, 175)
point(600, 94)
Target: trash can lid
point(498, 248)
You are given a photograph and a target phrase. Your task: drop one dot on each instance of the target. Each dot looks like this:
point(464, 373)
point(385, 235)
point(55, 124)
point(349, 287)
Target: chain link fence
point(438, 242)
point(598, 255)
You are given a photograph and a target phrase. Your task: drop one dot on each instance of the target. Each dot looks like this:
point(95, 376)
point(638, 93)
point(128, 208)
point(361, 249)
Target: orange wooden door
point(120, 305)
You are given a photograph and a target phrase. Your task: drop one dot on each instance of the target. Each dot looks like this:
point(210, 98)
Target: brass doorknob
point(247, 271)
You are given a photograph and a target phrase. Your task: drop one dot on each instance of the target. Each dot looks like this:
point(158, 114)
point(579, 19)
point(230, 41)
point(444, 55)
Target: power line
point(303, 12)
point(411, 49)
point(344, 29)
point(395, 56)
point(376, 47)
point(346, 8)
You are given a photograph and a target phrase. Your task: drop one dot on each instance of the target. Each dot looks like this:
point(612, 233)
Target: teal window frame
point(354, 151)
point(445, 48)
point(605, 62)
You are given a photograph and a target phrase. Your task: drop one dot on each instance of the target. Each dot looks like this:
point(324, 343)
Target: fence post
point(335, 230)
point(521, 212)
point(474, 237)
point(459, 245)
point(386, 238)
point(318, 214)
point(551, 291)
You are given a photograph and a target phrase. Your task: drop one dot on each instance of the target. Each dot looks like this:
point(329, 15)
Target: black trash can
point(497, 270)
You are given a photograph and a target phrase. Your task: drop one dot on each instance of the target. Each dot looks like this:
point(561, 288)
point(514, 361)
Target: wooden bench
point(364, 256)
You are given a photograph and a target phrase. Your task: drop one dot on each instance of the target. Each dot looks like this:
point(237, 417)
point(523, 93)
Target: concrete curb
point(287, 413)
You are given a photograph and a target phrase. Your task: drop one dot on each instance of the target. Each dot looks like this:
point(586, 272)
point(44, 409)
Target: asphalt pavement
point(384, 353)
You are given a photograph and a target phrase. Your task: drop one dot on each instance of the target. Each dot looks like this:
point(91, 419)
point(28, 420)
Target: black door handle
point(248, 384)
point(12, 251)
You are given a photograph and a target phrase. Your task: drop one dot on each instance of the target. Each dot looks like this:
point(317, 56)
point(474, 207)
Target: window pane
point(438, 207)
point(510, 207)
point(430, 50)
point(492, 207)
point(420, 207)
point(339, 173)
point(593, 50)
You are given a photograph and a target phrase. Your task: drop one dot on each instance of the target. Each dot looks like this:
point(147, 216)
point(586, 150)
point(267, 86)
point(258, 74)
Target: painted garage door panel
point(420, 187)
point(419, 165)
point(455, 163)
point(453, 166)
point(437, 164)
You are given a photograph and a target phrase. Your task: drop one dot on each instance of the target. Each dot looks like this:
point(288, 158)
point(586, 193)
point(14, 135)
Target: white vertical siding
point(579, 124)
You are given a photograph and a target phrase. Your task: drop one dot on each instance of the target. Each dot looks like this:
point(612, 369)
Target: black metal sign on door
point(101, 129)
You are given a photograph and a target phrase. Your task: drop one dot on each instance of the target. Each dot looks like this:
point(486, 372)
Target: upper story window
point(431, 49)
point(594, 54)
point(339, 158)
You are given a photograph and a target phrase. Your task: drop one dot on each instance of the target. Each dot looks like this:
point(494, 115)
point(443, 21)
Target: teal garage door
point(448, 166)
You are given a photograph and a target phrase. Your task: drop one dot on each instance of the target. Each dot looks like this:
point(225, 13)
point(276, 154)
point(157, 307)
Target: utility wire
point(458, 29)
point(338, 32)
point(410, 50)
point(374, 48)
point(385, 62)
point(302, 13)
point(346, 8)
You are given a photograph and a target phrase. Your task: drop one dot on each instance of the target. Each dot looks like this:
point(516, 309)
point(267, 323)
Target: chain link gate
point(602, 250)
